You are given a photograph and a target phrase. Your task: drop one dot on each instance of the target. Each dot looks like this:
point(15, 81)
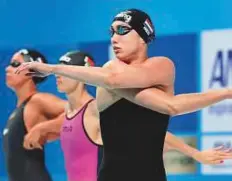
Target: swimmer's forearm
point(51, 126)
point(162, 102)
point(186, 103)
point(131, 77)
point(175, 143)
point(95, 76)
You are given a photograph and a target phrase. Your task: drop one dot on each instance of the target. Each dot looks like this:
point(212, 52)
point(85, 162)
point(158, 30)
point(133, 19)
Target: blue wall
point(62, 22)
point(170, 17)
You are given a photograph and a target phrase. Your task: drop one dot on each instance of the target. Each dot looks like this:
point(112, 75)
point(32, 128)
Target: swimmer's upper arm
point(32, 116)
point(45, 107)
point(151, 98)
point(156, 71)
point(49, 105)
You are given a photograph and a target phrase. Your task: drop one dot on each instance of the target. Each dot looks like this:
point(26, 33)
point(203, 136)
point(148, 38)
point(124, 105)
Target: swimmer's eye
point(15, 63)
point(120, 30)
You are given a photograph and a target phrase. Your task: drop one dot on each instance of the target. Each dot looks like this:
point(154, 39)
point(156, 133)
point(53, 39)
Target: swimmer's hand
point(213, 156)
point(36, 69)
point(33, 139)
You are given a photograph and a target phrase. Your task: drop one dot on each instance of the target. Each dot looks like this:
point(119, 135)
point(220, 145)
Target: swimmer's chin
point(121, 57)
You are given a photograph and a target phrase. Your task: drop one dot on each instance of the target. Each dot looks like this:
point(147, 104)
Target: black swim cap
point(31, 55)
point(78, 58)
point(139, 21)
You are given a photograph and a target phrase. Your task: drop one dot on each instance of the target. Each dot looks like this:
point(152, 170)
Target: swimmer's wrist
point(195, 154)
point(43, 129)
point(190, 151)
point(51, 69)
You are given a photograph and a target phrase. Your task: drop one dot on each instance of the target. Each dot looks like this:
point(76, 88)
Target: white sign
point(216, 73)
point(208, 142)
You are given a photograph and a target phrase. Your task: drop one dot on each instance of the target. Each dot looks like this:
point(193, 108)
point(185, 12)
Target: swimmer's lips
point(116, 49)
point(8, 77)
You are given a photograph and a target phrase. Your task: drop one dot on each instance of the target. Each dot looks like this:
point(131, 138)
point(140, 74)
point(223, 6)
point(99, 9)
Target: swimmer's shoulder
point(161, 60)
point(164, 64)
point(47, 102)
point(43, 98)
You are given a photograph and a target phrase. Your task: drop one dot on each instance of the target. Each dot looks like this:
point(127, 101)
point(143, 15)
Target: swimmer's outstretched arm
point(53, 127)
point(49, 127)
point(156, 71)
point(150, 98)
point(50, 131)
point(48, 109)
point(157, 100)
point(211, 156)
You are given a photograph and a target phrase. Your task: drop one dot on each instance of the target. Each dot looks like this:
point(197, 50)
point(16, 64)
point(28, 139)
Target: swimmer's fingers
point(32, 145)
point(224, 154)
point(216, 162)
point(217, 157)
point(36, 74)
point(214, 159)
point(227, 153)
point(37, 145)
point(26, 143)
point(21, 71)
point(22, 67)
point(31, 142)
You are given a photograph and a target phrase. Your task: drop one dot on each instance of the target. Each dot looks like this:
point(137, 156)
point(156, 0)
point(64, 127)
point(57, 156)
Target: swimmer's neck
point(24, 92)
point(77, 99)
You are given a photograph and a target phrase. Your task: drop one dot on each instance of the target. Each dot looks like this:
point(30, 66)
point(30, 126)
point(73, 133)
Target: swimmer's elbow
point(111, 81)
point(172, 110)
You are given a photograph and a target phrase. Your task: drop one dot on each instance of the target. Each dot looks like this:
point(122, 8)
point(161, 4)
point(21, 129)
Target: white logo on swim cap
point(127, 18)
point(39, 60)
point(65, 59)
point(23, 51)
